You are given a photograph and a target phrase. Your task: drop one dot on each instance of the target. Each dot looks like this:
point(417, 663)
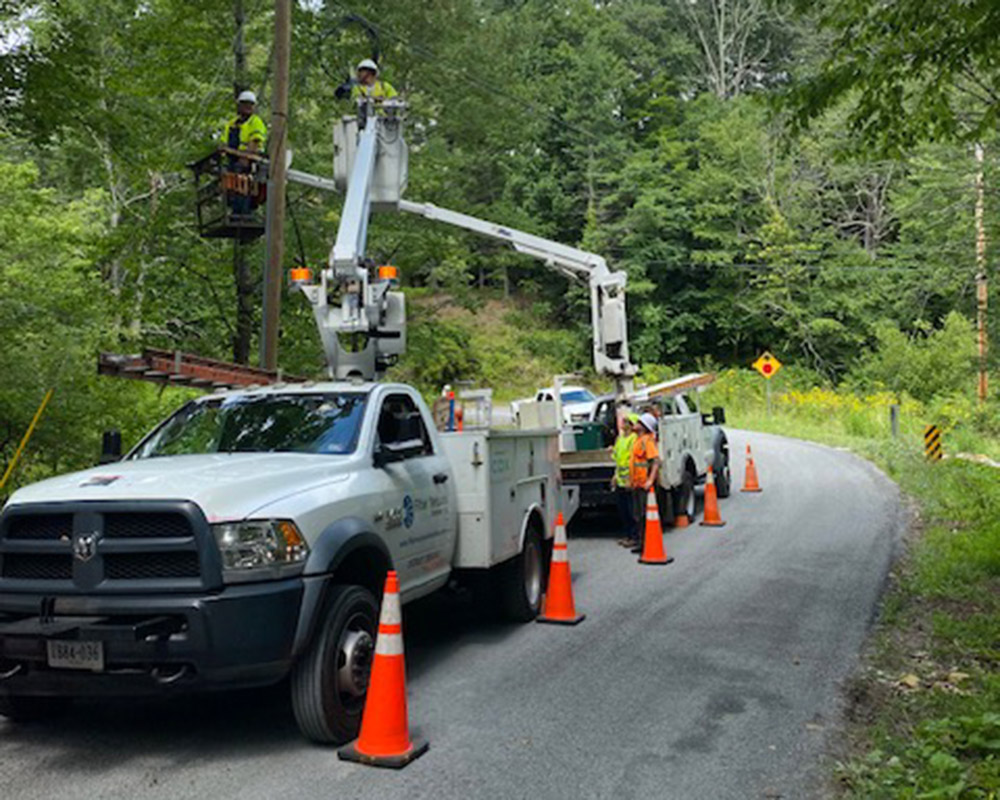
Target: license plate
point(76, 655)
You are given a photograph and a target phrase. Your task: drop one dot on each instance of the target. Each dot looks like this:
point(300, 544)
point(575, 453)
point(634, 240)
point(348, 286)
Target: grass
point(924, 711)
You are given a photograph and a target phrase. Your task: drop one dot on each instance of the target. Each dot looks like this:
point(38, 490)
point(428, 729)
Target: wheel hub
point(357, 649)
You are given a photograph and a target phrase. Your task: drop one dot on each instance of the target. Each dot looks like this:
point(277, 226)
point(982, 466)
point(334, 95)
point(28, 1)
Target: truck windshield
point(266, 423)
point(576, 396)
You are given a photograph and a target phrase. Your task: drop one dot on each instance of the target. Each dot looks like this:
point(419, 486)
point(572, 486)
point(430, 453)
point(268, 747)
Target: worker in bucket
point(248, 133)
point(644, 468)
point(366, 84)
point(621, 479)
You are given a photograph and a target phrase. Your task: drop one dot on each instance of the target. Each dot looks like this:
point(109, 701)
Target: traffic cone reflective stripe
point(750, 482)
point(711, 517)
point(385, 740)
point(652, 542)
point(558, 606)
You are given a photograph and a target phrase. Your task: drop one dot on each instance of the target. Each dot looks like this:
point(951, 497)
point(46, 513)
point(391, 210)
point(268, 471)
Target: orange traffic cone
point(750, 483)
point(652, 542)
point(385, 734)
point(711, 517)
point(682, 520)
point(558, 607)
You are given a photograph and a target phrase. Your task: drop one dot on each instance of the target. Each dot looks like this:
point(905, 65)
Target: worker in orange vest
point(643, 469)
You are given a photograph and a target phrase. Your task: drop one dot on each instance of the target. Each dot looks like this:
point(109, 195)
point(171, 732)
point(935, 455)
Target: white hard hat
point(246, 96)
point(368, 64)
point(648, 422)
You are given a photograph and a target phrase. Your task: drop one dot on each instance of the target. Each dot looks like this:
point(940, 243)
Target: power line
point(429, 56)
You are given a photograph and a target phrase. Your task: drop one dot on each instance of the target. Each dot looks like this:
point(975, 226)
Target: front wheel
point(522, 580)
point(330, 681)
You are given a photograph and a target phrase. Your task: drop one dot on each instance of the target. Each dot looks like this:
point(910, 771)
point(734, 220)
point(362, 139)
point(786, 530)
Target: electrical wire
point(470, 79)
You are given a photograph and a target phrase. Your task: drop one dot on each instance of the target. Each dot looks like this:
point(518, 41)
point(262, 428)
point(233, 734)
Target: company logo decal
point(85, 546)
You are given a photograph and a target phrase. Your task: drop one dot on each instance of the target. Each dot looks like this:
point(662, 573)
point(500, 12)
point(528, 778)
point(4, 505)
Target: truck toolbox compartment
point(500, 477)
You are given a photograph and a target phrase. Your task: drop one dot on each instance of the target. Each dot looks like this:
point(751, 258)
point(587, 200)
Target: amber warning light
point(388, 273)
point(301, 275)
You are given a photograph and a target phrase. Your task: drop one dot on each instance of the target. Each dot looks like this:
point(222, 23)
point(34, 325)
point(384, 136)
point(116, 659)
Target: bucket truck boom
point(371, 316)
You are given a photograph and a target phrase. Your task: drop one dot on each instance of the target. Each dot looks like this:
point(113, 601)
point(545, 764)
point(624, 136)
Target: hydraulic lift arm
point(607, 289)
point(369, 318)
point(361, 320)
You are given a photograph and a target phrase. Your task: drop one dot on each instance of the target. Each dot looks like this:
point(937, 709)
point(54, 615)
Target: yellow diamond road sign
point(767, 365)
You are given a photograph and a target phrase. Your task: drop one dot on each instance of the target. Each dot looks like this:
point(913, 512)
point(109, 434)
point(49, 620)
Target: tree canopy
point(668, 135)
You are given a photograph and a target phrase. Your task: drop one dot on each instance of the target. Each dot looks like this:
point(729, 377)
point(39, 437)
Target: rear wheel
point(723, 476)
point(522, 580)
point(330, 681)
point(684, 497)
point(33, 709)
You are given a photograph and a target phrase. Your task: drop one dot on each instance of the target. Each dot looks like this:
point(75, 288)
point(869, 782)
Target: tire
point(723, 475)
point(522, 580)
point(685, 501)
point(19, 708)
point(330, 680)
point(665, 504)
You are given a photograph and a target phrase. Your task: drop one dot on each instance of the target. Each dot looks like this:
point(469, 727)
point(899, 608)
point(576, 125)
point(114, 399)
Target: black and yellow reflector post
point(932, 443)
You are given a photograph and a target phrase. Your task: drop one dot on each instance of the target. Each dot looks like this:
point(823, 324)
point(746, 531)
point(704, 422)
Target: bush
point(926, 365)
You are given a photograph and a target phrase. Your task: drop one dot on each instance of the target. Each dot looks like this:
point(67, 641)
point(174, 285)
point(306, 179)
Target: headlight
point(260, 549)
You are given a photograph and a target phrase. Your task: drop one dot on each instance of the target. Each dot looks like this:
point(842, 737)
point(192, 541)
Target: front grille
point(145, 526)
point(35, 567)
point(145, 566)
point(156, 541)
point(41, 526)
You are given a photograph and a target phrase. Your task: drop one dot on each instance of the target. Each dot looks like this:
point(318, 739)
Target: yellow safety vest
point(382, 90)
point(252, 129)
point(622, 453)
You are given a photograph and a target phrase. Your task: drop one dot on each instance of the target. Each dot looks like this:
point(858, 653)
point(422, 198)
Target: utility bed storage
point(501, 476)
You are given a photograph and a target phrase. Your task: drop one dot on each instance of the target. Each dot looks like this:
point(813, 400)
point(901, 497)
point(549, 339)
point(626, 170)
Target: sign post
point(768, 366)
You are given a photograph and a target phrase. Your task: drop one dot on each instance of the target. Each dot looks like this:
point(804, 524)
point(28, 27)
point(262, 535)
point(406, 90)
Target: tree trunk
point(244, 305)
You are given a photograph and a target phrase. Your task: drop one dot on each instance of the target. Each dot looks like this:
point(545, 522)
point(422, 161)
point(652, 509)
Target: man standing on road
point(644, 467)
point(621, 480)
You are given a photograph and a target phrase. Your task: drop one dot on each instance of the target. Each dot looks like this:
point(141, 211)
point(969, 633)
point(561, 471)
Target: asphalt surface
point(717, 676)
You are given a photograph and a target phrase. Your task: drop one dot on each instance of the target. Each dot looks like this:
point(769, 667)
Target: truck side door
point(417, 514)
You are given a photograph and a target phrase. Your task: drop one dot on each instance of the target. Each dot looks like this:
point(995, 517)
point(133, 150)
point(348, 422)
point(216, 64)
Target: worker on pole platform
point(247, 132)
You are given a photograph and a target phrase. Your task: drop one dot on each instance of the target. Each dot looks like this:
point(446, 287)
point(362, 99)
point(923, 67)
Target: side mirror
point(391, 452)
point(719, 415)
point(111, 446)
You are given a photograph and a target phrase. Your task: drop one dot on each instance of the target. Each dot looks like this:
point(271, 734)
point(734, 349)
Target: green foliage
point(932, 363)
point(909, 69)
point(607, 125)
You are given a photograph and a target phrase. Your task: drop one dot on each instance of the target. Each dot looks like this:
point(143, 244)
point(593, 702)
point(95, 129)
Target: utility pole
point(276, 185)
point(241, 274)
point(982, 297)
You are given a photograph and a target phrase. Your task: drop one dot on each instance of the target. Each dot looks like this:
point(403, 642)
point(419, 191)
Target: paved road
point(715, 677)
